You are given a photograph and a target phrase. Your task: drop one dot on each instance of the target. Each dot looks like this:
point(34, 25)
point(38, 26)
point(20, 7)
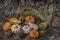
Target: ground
point(8, 9)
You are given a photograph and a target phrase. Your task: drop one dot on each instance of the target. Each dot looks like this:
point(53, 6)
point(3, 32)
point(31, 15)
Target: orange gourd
point(29, 19)
point(34, 34)
point(7, 26)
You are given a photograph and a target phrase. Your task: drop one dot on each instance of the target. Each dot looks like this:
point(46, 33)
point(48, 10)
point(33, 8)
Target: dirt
point(8, 8)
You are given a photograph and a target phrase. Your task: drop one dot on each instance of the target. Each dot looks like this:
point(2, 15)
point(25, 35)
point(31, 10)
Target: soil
point(8, 8)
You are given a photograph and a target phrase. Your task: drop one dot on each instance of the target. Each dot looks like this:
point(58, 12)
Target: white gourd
point(34, 26)
point(26, 29)
point(15, 28)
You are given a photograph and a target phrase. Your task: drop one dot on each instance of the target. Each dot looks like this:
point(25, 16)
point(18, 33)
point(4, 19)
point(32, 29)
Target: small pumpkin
point(30, 19)
point(7, 26)
point(15, 28)
point(34, 26)
point(34, 34)
point(14, 21)
point(26, 29)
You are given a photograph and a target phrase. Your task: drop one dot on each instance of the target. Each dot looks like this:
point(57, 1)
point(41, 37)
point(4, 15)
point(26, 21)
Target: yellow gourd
point(14, 21)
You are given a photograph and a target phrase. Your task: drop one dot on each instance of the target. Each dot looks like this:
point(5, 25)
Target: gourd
point(34, 26)
point(7, 26)
point(21, 18)
point(43, 25)
point(34, 34)
point(26, 29)
point(14, 21)
point(15, 28)
point(30, 19)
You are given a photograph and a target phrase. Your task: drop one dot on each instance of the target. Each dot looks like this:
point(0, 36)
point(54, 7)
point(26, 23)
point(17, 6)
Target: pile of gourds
point(29, 26)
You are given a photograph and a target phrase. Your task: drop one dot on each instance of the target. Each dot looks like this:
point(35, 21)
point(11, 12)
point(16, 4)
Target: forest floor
point(52, 31)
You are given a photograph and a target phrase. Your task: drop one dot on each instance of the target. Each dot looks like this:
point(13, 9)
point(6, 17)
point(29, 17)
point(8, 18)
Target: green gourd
point(43, 25)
